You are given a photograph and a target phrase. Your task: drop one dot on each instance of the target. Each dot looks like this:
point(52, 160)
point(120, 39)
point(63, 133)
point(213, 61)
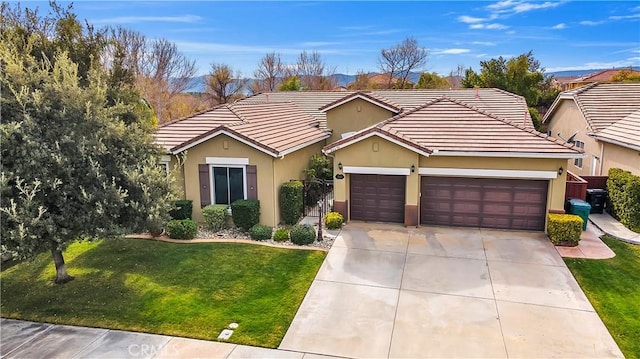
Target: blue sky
point(562, 34)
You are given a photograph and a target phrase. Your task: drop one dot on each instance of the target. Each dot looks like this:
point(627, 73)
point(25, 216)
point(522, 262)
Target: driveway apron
point(389, 291)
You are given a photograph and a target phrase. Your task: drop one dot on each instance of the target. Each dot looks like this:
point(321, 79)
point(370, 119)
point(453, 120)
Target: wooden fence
point(576, 187)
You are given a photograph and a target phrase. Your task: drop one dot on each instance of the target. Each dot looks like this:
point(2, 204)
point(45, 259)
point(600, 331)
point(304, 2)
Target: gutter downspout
point(601, 157)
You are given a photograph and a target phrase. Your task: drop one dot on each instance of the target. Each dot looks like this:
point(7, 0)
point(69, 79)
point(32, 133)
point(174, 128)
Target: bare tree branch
point(269, 74)
point(223, 85)
point(400, 60)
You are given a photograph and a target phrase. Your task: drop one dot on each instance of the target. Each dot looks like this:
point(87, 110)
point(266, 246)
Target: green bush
point(182, 209)
point(182, 228)
point(291, 201)
point(260, 232)
point(245, 213)
point(215, 216)
point(564, 228)
point(333, 220)
point(623, 189)
point(281, 235)
point(302, 234)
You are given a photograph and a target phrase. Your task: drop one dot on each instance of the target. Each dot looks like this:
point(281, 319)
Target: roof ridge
point(190, 116)
point(413, 110)
point(237, 114)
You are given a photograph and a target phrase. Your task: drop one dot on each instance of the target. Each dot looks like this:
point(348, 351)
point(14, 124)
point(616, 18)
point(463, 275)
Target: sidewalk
point(22, 339)
point(590, 246)
point(612, 227)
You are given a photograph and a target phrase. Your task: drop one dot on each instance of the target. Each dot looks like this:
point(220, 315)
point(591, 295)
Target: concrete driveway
point(388, 291)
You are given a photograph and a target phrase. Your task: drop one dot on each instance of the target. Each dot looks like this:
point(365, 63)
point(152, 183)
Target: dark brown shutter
point(252, 182)
point(205, 182)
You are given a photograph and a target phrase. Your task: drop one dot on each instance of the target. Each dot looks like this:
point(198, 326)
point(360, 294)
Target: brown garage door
point(377, 198)
point(488, 203)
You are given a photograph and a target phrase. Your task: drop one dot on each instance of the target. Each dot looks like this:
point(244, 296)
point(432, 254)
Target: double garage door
point(452, 201)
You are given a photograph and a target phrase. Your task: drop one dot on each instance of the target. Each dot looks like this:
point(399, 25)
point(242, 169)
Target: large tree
point(521, 75)
point(78, 162)
point(399, 61)
point(431, 80)
point(160, 70)
point(223, 84)
point(313, 72)
point(269, 73)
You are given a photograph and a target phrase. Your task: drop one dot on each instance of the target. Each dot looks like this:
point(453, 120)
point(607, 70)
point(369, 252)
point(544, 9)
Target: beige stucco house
point(443, 157)
point(588, 117)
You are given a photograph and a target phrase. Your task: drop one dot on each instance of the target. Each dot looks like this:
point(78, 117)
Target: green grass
point(613, 287)
point(191, 290)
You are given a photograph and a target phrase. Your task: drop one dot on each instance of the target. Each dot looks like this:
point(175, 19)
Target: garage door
point(488, 203)
point(377, 198)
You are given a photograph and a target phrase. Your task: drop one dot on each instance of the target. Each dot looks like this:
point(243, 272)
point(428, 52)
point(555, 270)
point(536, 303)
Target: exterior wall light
point(560, 171)
point(413, 168)
point(340, 166)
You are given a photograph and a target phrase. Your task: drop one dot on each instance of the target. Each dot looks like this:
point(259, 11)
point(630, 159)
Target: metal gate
point(318, 197)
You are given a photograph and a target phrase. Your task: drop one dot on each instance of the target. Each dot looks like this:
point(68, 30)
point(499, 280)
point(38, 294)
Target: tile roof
point(274, 128)
point(450, 125)
point(625, 132)
point(602, 104)
point(500, 103)
point(367, 96)
point(601, 76)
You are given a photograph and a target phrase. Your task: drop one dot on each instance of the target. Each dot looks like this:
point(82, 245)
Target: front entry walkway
point(388, 291)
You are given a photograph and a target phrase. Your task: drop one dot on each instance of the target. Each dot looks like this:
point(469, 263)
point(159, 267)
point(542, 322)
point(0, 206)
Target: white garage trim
point(486, 173)
point(376, 170)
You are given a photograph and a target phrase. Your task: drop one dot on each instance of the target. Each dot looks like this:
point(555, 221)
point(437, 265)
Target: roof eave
point(616, 142)
point(374, 132)
point(218, 131)
point(508, 154)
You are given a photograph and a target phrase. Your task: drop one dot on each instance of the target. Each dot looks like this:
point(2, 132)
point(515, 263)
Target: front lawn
point(613, 287)
point(191, 290)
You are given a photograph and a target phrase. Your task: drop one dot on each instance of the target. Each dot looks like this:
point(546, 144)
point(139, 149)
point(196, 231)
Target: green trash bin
point(582, 209)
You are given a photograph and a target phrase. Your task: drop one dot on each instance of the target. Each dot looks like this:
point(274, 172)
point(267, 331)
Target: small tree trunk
point(61, 269)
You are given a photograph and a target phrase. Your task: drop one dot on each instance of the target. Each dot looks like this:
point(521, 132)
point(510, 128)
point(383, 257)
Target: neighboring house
point(600, 76)
point(448, 157)
point(580, 115)
point(621, 144)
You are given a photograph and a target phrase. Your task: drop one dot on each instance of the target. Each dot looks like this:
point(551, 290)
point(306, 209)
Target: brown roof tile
point(276, 128)
point(625, 132)
point(450, 125)
point(602, 104)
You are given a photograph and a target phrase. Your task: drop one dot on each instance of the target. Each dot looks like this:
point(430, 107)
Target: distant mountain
point(578, 73)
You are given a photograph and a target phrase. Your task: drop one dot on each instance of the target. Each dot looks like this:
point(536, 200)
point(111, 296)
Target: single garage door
point(377, 198)
point(486, 202)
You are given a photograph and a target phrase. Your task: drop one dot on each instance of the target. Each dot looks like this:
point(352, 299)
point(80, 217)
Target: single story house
point(581, 115)
point(446, 157)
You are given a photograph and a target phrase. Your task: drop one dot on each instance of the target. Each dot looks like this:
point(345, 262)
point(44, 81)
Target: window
point(578, 161)
point(164, 166)
point(228, 184)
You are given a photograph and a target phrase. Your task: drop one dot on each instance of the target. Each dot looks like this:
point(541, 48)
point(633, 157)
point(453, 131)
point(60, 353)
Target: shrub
point(291, 201)
point(333, 220)
point(245, 213)
point(182, 209)
point(215, 216)
point(564, 228)
point(302, 234)
point(260, 232)
point(281, 235)
point(182, 228)
point(623, 189)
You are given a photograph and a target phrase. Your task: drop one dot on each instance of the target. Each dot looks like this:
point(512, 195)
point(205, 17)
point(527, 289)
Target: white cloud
point(484, 43)
point(516, 7)
point(523, 7)
point(454, 51)
point(479, 56)
point(492, 26)
point(591, 23)
point(559, 26)
point(634, 16)
point(470, 20)
point(138, 19)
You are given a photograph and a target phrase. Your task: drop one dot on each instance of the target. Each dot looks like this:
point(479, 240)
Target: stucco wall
point(353, 116)
point(290, 167)
point(215, 148)
point(567, 119)
point(620, 157)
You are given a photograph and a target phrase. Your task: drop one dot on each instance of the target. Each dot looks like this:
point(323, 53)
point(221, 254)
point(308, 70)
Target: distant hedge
point(623, 189)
